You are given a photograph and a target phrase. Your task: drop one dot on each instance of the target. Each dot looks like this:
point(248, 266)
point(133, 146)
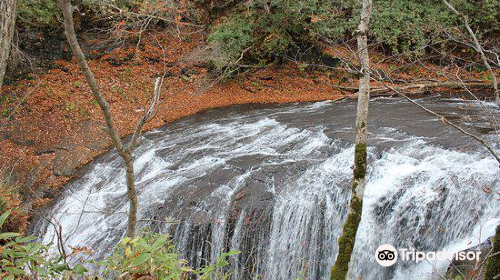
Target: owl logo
point(386, 255)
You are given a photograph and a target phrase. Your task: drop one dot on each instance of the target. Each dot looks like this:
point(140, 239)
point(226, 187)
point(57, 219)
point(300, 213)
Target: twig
point(478, 48)
point(443, 119)
point(150, 114)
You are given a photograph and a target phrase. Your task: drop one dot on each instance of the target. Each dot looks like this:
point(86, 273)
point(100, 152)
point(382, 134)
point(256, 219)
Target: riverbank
point(50, 126)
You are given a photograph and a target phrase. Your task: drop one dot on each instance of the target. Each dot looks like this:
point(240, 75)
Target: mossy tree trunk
point(347, 239)
point(7, 25)
point(493, 263)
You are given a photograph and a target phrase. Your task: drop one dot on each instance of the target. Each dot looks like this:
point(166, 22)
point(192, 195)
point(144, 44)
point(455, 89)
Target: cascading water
point(274, 183)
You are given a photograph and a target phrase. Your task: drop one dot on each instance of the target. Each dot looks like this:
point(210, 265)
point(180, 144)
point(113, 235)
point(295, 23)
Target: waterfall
point(274, 184)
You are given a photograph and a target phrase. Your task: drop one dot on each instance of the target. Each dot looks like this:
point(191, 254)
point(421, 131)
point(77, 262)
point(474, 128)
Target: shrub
point(153, 254)
point(404, 26)
point(45, 14)
point(409, 26)
point(38, 13)
point(483, 15)
point(21, 257)
point(10, 202)
point(229, 39)
point(273, 28)
point(148, 254)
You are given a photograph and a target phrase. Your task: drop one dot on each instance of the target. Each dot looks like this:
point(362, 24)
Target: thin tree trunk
point(132, 197)
point(7, 25)
point(69, 31)
point(348, 237)
point(479, 48)
point(104, 105)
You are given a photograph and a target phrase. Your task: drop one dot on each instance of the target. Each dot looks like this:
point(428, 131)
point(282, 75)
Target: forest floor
point(50, 125)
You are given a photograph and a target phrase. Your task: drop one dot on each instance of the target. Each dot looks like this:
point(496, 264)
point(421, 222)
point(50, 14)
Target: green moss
point(493, 266)
point(348, 237)
point(359, 161)
point(346, 241)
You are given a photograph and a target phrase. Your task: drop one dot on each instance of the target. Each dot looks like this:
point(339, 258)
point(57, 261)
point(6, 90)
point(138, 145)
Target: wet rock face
point(43, 45)
point(38, 50)
point(76, 149)
point(66, 161)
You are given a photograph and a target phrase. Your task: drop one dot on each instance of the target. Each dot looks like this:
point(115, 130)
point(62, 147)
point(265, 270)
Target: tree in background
point(346, 240)
point(7, 24)
point(125, 151)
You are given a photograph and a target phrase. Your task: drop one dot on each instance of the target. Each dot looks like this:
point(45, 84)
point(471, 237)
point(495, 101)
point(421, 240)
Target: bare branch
point(150, 113)
point(442, 118)
point(422, 86)
point(478, 48)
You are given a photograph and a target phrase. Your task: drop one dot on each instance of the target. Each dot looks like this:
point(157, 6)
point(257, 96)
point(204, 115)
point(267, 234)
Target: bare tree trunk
point(479, 48)
point(125, 152)
point(69, 31)
point(348, 237)
point(132, 197)
point(7, 24)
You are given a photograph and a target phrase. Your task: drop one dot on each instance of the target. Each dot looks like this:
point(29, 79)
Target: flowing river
point(273, 182)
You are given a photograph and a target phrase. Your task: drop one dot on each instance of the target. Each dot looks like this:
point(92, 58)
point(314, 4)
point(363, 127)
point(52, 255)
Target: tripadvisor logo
point(387, 255)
